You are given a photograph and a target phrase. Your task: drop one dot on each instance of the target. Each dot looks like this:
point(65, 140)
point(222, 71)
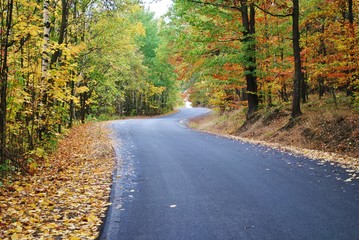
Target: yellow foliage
point(82, 89)
point(32, 168)
point(139, 29)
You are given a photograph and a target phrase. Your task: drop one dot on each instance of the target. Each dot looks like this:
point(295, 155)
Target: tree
point(331, 64)
point(249, 47)
point(246, 56)
point(5, 29)
point(298, 75)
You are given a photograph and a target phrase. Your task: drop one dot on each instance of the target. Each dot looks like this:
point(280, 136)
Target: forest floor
point(324, 132)
point(68, 194)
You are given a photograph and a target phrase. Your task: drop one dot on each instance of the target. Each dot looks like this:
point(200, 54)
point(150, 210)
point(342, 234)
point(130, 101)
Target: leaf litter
point(67, 197)
point(351, 164)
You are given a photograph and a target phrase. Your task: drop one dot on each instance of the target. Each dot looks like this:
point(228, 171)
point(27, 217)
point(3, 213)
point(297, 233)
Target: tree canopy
point(258, 53)
point(67, 61)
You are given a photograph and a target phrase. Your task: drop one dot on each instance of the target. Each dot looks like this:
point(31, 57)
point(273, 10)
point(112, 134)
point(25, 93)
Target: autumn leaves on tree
point(278, 47)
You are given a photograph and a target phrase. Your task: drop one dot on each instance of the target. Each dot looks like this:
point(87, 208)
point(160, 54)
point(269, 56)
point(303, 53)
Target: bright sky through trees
point(158, 7)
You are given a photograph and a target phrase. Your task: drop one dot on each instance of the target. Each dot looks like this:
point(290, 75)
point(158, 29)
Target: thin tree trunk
point(349, 89)
point(297, 61)
point(332, 91)
point(72, 82)
point(4, 80)
point(83, 107)
point(269, 93)
point(62, 31)
point(72, 104)
point(304, 88)
point(47, 28)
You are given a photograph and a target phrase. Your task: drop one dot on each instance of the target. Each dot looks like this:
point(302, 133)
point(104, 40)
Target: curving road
point(177, 183)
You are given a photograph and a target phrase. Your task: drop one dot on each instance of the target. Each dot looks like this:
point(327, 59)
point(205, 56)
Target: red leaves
point(219, 76)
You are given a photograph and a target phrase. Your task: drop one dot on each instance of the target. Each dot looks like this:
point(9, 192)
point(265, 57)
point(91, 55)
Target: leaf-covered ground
point(67, 197)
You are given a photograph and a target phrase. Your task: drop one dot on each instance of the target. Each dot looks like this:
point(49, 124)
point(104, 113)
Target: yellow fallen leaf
point(92, 218)
point(32, 168)
point(19, 188)
point(14, 236)
point(74, 238)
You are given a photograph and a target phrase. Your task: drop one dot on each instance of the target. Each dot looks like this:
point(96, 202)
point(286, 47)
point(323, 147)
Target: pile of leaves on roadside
point(349, 163)
point(68, 196)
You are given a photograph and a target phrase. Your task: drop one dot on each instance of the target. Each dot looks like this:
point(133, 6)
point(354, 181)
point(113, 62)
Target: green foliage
point(104, 59)
point(6, 167)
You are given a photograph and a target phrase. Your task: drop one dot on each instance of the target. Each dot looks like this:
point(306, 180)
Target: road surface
point(177, 183)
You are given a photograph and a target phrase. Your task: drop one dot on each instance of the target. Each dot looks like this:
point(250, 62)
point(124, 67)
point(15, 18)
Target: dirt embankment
point(325, 134)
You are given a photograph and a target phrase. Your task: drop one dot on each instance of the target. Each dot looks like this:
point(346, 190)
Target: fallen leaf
point(15, 236)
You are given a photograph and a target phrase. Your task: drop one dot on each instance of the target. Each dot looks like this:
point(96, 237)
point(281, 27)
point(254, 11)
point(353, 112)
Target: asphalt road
point(177, 183)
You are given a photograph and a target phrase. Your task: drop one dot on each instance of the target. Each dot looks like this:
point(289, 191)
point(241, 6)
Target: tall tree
point(46, 39)
point(247, 57)
point(249, 45)
point(5, 30)
point(298, 75)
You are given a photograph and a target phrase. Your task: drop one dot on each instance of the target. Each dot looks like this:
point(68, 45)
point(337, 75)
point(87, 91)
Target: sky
point(159, 7)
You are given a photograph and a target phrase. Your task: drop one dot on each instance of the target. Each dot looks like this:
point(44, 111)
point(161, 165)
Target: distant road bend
point(177, 183)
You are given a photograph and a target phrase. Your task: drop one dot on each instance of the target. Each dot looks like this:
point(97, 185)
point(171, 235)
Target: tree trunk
point(45, 53)
point(248, 22)
point(284, 93)
point(350, 12)
point(72, 104)
point(4, 79)
point(332, 91)
point(323, 52)
point(62, 32)
point(349, 89)
point(304, 88)
point(269, 93)
point(83, 107)
point(321, 87)
point(297, 61)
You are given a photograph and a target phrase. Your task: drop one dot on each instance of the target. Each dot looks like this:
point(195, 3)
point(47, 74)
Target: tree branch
point(238, 8)
point(23, 41)
point(272, 14)
point(216, 5)
point(231, 40)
